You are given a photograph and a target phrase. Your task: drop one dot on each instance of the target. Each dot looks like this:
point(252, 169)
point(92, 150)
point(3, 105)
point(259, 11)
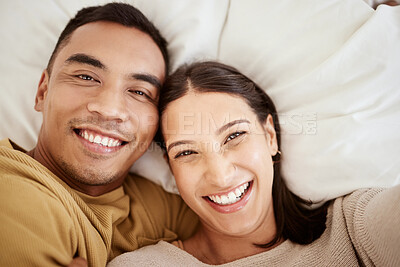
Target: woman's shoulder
point(160, 254)
point(364, 200)
point(358, 207)
point(372, 220)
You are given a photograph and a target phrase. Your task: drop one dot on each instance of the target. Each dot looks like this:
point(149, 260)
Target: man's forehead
point(103, 39)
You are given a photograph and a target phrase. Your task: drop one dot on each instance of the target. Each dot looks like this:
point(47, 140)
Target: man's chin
point(90, 176)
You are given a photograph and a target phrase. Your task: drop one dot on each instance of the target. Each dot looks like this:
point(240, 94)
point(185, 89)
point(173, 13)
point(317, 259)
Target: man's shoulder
point(151, 195)
point(143, 185)
point(5, 143)
point(11, 154)
point(24, 192)
point(23, 180)
point(21, 174)
point(33, 211)
point(166, 210)
point(9, 144)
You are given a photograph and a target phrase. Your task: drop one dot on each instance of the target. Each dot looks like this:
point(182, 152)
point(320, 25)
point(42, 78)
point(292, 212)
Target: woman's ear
point(42, 91)
point(270, 135)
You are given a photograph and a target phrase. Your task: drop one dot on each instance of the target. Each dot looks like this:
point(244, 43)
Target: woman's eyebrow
point(178, 143)
point(230, 124)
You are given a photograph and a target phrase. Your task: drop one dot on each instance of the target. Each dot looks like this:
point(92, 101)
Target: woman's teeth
point(231, 197)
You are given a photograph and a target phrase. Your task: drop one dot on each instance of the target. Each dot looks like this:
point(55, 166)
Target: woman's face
point(220, 156)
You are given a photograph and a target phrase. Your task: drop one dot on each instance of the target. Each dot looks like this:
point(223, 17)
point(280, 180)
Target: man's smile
point(99, 142)
point(100, 139)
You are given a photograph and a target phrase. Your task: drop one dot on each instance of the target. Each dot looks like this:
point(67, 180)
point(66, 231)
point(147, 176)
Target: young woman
point(220, 132)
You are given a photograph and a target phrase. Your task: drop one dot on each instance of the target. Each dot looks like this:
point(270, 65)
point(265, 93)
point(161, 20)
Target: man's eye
point(139, 92)
point(142, 95)
point(233, 136)
point(85, 77)
point(184, 153)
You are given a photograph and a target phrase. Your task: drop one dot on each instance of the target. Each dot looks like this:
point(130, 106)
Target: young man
point(72, 196)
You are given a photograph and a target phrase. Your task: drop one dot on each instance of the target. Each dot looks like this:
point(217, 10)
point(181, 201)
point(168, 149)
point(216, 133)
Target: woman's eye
point(184, 153)
point(233, 136)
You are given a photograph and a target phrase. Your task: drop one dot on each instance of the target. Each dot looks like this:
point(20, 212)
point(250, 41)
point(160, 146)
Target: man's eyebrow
point(86, 59)
point(178, 143)
point(148, 78)
point(230, 124)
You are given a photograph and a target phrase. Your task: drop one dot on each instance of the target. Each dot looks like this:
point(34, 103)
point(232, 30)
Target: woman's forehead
point(205, 112)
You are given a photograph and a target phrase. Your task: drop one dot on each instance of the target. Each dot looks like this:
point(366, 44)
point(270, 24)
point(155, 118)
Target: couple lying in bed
point(71, 196)
point(220, 133)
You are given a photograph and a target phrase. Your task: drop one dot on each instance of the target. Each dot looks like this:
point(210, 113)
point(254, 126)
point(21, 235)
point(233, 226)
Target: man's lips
point(99, 138)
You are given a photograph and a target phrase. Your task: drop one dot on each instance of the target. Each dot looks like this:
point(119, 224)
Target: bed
point(332, 67)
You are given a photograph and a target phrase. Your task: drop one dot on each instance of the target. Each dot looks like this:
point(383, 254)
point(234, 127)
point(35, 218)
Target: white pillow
point(330, 66)
point(332, 69)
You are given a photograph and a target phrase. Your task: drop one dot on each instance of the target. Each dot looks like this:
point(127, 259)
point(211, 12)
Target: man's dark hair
point(120, 13)
point(294, 218)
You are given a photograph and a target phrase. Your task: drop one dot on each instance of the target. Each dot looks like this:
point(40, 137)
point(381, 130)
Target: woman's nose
point(219, 170)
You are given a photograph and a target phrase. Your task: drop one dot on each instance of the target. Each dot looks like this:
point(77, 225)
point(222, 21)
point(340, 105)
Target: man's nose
point(109, 103)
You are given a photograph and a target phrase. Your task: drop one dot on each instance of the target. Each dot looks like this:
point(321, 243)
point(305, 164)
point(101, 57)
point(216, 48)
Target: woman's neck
point(212, 247)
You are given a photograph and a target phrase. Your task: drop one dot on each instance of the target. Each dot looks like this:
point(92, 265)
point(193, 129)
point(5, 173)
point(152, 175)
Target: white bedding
point(332, 68)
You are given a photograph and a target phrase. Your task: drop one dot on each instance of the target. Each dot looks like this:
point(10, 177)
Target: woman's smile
point(231, 201)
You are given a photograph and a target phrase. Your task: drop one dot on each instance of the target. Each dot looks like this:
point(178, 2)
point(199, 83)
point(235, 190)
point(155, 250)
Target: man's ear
point(42, 91)
point(270, 134)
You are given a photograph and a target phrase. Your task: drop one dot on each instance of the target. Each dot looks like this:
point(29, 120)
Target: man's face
point(99, 104)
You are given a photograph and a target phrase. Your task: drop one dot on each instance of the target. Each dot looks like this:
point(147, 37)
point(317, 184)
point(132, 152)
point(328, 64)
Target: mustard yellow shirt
point(43, 222)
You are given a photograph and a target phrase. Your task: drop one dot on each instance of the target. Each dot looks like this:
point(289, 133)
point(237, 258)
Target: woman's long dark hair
point(294, 218)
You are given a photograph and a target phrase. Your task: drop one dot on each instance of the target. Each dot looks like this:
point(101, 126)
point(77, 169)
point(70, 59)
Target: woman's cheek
point(182, 178)
point(254, 155)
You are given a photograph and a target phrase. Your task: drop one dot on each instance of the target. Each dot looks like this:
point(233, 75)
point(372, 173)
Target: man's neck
point(91, 190)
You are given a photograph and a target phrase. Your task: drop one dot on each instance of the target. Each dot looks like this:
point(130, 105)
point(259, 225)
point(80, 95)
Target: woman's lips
point(231, 202)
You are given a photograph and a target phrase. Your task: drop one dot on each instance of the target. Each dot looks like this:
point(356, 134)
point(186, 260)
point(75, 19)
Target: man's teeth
point(101, 140)
point(230, 198)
